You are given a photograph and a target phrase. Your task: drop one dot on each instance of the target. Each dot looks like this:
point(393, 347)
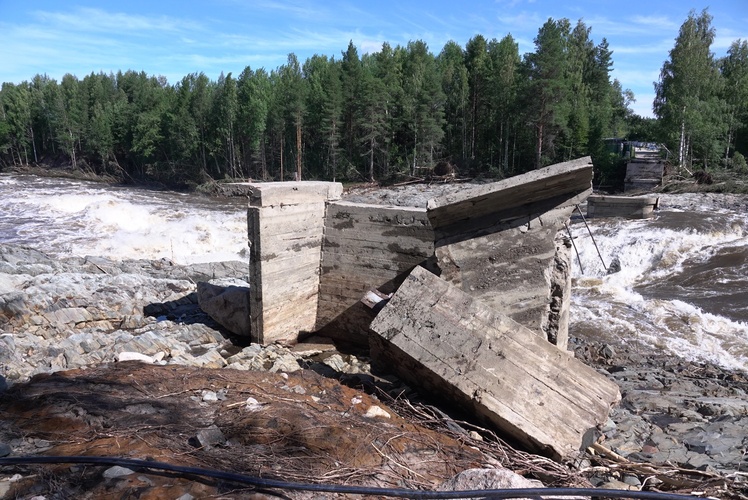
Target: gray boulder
point(227, 305)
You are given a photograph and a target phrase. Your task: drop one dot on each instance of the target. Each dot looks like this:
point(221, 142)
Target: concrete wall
point(365, 247)
point(631, 207)
point(313, 257)
point(504, 243)
point(643, 174)
point(285, 223)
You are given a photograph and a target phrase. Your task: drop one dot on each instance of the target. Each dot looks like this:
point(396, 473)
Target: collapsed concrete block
point(504, 243)
point(312, 257)
point(454, 345)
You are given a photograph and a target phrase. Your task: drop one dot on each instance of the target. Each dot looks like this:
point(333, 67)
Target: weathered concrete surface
point(644, 172)
point(455, 346)
point(285, 232)
point(228, 305)
point(366, 246)
point(503, 243)
point(630, 207)
point(485, 206)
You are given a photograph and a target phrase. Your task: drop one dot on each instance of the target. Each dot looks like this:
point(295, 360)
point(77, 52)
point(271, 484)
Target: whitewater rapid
point(63, 217)
point(682, 287)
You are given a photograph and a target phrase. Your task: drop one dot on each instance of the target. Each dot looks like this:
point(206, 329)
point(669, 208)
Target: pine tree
point(293, 89)
point(351, 89)
point(16, 105)
point(423, 105)
point(331, 118)
point(372, 116)
point(451, 63)
point(479, 73)
point(225, 109)
point(734, 69)
point(546, 91)
point(253, 94)
point(505, 59)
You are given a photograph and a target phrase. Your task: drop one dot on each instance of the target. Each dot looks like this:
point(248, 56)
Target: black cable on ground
point(345, 489)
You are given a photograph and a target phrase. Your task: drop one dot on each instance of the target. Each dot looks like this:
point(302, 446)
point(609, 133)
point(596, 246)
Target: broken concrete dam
point(466, 296)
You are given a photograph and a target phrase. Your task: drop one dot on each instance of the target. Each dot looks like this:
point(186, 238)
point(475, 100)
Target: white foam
point(72, 218)
point(649, 252)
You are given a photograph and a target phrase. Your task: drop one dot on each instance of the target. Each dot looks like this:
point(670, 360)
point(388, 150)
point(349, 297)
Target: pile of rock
point(687, 415)
point(62, 314)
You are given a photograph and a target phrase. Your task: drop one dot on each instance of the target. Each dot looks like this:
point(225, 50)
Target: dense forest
point(483, 109)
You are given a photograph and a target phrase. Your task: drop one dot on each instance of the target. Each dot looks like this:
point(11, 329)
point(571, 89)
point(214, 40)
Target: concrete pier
point(285, 224)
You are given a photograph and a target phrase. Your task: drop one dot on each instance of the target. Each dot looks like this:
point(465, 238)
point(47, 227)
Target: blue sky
point(175, 38)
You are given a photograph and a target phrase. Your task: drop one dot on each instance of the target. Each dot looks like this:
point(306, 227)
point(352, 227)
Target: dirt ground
point(298, 427)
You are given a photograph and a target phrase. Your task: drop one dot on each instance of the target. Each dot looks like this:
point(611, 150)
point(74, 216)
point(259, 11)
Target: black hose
point(345, 489)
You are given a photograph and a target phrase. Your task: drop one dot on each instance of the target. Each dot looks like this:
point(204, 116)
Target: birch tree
point(686, 98)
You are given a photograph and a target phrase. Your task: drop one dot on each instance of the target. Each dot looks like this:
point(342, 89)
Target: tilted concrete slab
point(455, 346)
point(484, 206)
point(505, 243)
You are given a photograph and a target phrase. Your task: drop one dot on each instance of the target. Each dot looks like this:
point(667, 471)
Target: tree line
point(702, 102)
point(401, 111)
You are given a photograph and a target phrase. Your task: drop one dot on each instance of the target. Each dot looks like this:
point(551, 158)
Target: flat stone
point(336, 362)
point(134, 356)
point(286, 363)
point(483, 479)
point(209, 396)
point(117, 471)
point(208, 437)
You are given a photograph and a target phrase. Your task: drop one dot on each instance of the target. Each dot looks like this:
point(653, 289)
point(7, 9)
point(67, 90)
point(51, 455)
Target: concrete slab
point(454, 346)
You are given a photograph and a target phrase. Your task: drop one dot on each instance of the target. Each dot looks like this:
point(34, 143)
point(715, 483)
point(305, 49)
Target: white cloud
point(654, 47)
point(636, 77)
point(655, 22)
point(643, 105)
point(97, 20)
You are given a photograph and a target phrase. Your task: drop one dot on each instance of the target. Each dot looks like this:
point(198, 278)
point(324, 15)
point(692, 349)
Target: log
point(452, 345)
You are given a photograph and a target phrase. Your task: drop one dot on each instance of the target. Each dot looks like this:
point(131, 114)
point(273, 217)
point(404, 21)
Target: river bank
point(720, 181)
point(683, 420)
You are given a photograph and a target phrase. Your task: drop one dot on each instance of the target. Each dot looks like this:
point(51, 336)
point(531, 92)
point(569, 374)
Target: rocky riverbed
point(680, 426)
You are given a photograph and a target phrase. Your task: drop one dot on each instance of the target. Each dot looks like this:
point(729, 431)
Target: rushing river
point(66, 217)
point(682, 287)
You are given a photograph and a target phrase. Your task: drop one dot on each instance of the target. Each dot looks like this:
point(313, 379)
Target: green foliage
point(689, 99)
point(395, 112)
point(737, 163)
